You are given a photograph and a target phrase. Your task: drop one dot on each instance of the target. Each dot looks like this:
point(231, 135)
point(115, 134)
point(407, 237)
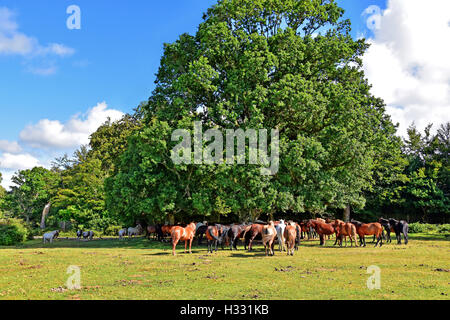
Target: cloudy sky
point(58, 85)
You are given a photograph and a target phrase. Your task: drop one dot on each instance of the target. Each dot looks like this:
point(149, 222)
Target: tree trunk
point(347, 211)
point(44, 215)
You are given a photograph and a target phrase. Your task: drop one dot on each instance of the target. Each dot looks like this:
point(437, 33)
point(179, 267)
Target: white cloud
point(14, 42)
point(52, 134)
point(18, 161)
point(408, 62)
point(10, 147)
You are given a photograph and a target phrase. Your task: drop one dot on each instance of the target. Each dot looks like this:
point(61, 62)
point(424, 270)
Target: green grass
point(142, 269)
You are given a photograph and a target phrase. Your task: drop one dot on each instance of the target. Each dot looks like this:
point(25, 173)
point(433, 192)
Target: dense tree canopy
point(286, 65)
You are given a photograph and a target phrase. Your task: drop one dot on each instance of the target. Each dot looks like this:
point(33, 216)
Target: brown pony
point(290, 234)
point(345, 230)
point(268, 234)
point(166, 229)
point(252, 231)
point(322, 228)
point(212, 234)
point(151, 230)
point(368, 229)
point(183, 234)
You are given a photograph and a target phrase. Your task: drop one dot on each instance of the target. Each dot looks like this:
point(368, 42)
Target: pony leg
point(174, 244)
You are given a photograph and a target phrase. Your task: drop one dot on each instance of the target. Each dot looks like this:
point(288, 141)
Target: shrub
point(112, 230)
point(422, 228)
point(12, 232)
point(444, 228)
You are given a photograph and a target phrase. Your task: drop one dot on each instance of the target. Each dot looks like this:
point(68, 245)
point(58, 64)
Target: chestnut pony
point(268, 234)
point(251, 232)
point(183, 234)
point(368, 229)
point(344, 229)
point(322, 228)
point(290, 234)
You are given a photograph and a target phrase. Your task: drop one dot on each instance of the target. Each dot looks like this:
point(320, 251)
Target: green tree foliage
point(31, 191)
point(81, 195)
point(2, 198)
point(290, 65)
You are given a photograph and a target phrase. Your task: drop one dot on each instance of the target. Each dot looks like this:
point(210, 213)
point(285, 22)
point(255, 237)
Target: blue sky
point(117, 53)
point(52, 92)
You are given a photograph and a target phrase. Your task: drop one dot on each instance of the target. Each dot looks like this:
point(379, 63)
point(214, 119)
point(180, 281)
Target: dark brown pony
point(235, 232)
point(151, 230)
point(290, 234)
point(183, 234)
point(322, 228)
point(251, 233)
point(368, 229)
point(212, 235)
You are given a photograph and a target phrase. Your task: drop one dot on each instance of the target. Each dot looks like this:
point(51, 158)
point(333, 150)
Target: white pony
point(134, 231)
point(122, 233)
point(88, 234)
point(49, 236)
point(280, 233)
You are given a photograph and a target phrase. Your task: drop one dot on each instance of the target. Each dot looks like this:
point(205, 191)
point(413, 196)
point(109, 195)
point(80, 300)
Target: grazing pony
point(400, 227)
point(183, 234)
point(122, 233)
point(251, 233)
point(268, 235)
point(280, 227)
point(290, 234)
point(134, 231)
point(49, 236)
point(368, 229)
point(322, 228)
point(212, 234)
point(88, 235)
point(79, 234)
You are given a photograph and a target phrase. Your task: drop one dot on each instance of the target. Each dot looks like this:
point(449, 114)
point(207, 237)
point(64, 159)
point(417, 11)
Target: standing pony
point(322, 228)
point(400, 227)
point(134, 231)
point(388, 228)
point(268, 235)
point(345, 230)
point(213, 234)
point(251, 233)
point(122, 233)
point(49, 236)
point(368, 229)
point(280, 227)
point(234, 234)
point(290, 234)
point(88, 235)
point(183, 234)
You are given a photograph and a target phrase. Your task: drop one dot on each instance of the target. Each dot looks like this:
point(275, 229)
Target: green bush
point(112, 230)
point(444, 228)
point(12, 232)
point(418, 227)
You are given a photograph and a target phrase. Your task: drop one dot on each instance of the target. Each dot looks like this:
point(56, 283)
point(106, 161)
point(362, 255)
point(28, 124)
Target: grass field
point(143, 269)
